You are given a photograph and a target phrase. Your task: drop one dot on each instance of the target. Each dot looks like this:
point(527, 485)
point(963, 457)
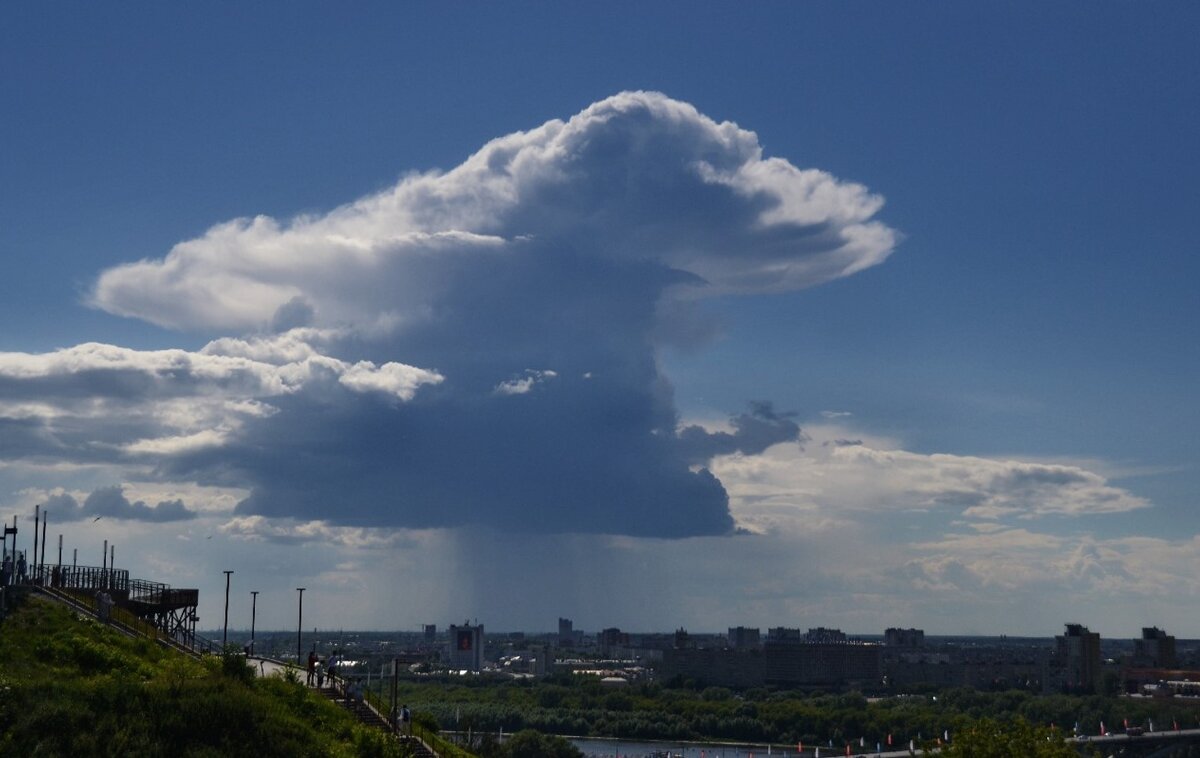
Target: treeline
point(581, 706)
point(71, 686)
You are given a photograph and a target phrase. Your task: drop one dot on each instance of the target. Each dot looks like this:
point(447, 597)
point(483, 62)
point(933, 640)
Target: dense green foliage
point(1014, 739)
point(582, 706)
point(71, 686)
point(529, 744)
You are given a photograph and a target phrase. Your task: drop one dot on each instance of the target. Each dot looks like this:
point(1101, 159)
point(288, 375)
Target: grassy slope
point(70, 686)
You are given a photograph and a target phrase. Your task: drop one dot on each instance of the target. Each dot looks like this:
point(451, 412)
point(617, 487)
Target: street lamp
point(253, 610)
point(225, 636)
point(299, 624)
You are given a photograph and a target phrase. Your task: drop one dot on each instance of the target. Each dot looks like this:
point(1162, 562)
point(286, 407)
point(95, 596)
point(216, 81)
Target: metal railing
point(107, 612)
point(433, 742)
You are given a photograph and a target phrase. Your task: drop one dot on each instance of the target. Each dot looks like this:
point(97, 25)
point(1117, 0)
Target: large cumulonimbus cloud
point(637, 180)
point(528, 283)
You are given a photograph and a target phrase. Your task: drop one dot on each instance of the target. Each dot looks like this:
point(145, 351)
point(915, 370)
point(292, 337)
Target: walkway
point(334, 691)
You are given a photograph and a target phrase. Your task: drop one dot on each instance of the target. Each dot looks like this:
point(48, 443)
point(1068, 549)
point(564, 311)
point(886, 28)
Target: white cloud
point(523, 384)
point(840, 471)
point(391, 378)
point(289, 531)
point(103, 402)
point(636, 177)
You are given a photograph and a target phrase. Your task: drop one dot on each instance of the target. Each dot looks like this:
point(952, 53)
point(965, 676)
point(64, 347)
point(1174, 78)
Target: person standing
point(312, 666)
point(21, 568)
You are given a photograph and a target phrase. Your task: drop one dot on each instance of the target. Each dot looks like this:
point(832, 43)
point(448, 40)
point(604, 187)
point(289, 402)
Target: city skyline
point(651, 318)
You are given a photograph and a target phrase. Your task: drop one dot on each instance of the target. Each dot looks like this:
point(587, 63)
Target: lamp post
point(225, 635)
point(299, 624)
point(37, 520)
point(253, 611)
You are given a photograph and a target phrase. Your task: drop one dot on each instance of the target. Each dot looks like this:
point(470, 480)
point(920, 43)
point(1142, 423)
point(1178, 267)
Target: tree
point(530, 744)
point(1010, 739)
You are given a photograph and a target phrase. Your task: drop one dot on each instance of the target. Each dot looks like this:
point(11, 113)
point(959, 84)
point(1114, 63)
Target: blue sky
point(1033, 318)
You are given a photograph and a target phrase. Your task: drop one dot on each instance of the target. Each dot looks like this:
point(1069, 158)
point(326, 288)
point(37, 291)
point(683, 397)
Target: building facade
point(1077, 659)
point(466, 647)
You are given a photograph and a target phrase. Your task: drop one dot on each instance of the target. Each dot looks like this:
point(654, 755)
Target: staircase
point(367, 715)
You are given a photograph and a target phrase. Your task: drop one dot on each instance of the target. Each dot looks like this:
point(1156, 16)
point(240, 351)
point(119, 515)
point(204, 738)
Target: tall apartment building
point(1077, 657)
point(466, 647)
point(904, 638)
point(743, 638)
point(820, 658)
point(611, 639)
point(1156, 649)
point(566, 632)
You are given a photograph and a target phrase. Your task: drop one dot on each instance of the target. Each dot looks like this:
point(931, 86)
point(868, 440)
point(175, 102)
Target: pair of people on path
point(313, 662)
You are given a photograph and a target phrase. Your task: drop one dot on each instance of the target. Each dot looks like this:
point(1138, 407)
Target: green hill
point(70, 686)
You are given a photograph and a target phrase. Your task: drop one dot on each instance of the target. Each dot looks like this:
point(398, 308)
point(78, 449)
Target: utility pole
point(299, 625)
point(225, 635)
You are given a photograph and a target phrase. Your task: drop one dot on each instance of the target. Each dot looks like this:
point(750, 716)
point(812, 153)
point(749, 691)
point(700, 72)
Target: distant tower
point(1156, 648)
point(430, 633)
point(466, 647)
point(906, 638)
point(1078, 653)
point(743, 638)
point(566, 633)
point(610, 640)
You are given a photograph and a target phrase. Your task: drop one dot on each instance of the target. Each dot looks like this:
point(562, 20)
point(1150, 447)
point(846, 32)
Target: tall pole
point(42, 553)
point(253, 612)
point(74, 557)
point(104, 566)
point(299, 625)
point(225, 635)
point(60, 552)
point(37, 518)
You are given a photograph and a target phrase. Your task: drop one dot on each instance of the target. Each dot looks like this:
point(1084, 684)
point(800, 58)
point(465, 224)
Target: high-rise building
point(609, 640)
point(1077, 656)
point(466, 647)
point(820, 658)
point(905, 638)
point(1156, 649)
point(430, 633)
point(821, 634)
point(566, 632)
point(743, 638)
point(682, 640)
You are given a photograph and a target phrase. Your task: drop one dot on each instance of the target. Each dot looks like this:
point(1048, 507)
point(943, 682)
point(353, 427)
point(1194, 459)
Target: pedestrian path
point(269, 666)
point(362, 710)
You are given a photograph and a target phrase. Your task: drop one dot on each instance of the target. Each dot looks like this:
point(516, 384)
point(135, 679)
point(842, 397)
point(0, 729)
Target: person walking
point(312, 666)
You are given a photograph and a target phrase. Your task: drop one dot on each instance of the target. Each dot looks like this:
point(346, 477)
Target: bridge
point(1162, 744)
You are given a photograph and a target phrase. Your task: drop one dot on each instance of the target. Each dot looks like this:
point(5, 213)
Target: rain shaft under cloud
point(528, 285)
